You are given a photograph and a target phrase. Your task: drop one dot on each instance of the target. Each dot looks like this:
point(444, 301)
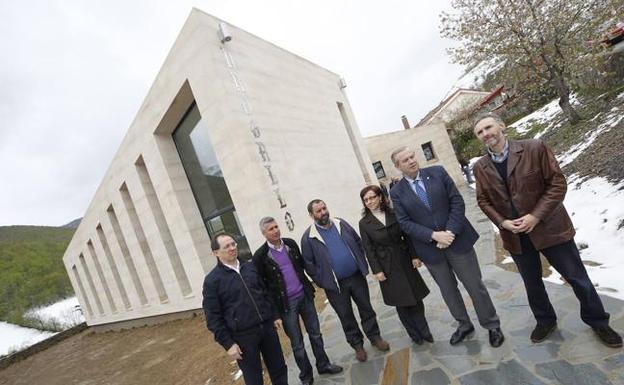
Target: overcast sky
point(74, 73)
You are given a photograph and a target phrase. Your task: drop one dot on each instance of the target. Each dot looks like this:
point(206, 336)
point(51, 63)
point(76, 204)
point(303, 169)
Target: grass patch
point(32, 272)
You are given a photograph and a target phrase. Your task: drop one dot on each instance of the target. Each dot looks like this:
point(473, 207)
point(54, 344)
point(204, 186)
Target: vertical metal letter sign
point(256, 133)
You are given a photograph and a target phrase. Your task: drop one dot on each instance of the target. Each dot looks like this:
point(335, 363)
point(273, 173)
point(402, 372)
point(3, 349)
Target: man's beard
point(324, 220)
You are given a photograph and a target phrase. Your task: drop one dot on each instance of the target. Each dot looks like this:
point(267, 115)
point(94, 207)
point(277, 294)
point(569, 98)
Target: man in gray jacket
point(334, 259)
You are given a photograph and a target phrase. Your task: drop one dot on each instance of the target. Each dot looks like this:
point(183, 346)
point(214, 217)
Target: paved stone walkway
point(571, 356)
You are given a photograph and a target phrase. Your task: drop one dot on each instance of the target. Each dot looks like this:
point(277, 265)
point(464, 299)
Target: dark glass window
point(379, 170)
point(204, 173)
point(428, 151)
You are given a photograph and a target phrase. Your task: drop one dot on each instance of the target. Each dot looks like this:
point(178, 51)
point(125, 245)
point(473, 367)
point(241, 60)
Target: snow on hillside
point(13, 337)
point(597, 210)
point(612, 119)
point(474, 78)
point(544, 115)
point(65, 313)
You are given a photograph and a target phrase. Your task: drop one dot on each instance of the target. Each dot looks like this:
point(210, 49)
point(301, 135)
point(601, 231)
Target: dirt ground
point(177, 352)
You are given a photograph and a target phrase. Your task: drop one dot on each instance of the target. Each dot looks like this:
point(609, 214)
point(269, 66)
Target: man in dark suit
point(521, 188)
point(241, 316)
point(431, 212)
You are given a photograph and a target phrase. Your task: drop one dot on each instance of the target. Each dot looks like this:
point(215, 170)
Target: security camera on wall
point(224, 33)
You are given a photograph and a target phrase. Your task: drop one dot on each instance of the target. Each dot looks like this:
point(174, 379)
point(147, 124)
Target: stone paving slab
point(571, 356)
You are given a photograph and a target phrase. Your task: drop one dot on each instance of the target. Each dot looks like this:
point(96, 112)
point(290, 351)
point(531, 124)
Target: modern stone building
point(234, 128)
point(431, 143)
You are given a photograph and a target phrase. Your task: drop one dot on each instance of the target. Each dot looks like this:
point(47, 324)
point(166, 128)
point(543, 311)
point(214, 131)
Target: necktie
point(422, 194)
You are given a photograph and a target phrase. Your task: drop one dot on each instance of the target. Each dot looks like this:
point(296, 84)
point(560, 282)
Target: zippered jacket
point(316, 254)
point(272, 276)
point(235, 303)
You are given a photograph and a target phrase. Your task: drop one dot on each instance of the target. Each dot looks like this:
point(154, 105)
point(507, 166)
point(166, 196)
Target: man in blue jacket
point(240, 315)
point(334, 259)
point(431, 212)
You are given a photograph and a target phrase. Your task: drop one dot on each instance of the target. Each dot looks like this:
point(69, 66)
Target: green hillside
point(31, 268)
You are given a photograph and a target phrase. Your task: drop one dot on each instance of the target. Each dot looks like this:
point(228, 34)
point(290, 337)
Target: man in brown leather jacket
point(521, 188)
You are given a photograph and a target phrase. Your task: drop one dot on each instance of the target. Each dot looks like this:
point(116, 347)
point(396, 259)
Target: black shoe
point(381, 344)
point(460, 335)
point(307, 382)
point(331, 369)
point(418, 341)
point(428, 338)
point(608, 336)
point(360, 353)
point(541, 332)
point(496, 337)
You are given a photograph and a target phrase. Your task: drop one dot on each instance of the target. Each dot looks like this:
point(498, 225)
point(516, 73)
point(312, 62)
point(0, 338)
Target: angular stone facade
point(283, 133)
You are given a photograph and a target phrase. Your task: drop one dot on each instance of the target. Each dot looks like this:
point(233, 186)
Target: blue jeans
point(304, 307)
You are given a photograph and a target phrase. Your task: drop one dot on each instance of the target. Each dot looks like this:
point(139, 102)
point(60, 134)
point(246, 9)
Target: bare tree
point(544, 43)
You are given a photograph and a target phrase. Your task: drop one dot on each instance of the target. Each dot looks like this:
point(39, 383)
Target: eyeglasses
point(370, 199)
point(231, 245)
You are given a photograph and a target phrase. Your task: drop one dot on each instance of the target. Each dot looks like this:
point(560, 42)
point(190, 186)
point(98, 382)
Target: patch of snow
point(14, 337)
point(472, 161)
point(596, 208)
point(507, 259)
point(476, 76)
point(544, 115)
point(612, 119)
point(65, 313)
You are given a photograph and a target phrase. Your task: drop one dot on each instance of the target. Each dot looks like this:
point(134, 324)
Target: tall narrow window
point(379, 170)
point(206, 179)
point(145, 248)
point(121, 241)
point(100, 273)
point(94, 292)
point(82, 292)
point(428, 151)
point(163, 227)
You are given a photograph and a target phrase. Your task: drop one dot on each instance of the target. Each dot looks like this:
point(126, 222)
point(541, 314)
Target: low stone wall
point(6, 361)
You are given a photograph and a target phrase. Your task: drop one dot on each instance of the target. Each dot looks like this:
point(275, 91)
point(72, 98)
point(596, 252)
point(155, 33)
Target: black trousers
point(354, 288)
point(564, 258)
point(414, 321)
point(262, 340)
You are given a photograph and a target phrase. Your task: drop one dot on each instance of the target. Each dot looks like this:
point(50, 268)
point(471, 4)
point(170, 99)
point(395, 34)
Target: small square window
point(379, 170)
point(428, 151)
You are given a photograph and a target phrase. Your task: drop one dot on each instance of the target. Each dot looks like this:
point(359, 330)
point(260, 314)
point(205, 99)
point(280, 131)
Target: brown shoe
point(382, 345)
point(360, 353)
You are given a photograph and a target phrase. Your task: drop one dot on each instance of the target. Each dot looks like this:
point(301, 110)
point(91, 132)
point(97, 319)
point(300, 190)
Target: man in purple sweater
point(280, 265)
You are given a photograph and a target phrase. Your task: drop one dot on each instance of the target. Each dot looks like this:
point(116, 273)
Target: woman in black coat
point(394, 263)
